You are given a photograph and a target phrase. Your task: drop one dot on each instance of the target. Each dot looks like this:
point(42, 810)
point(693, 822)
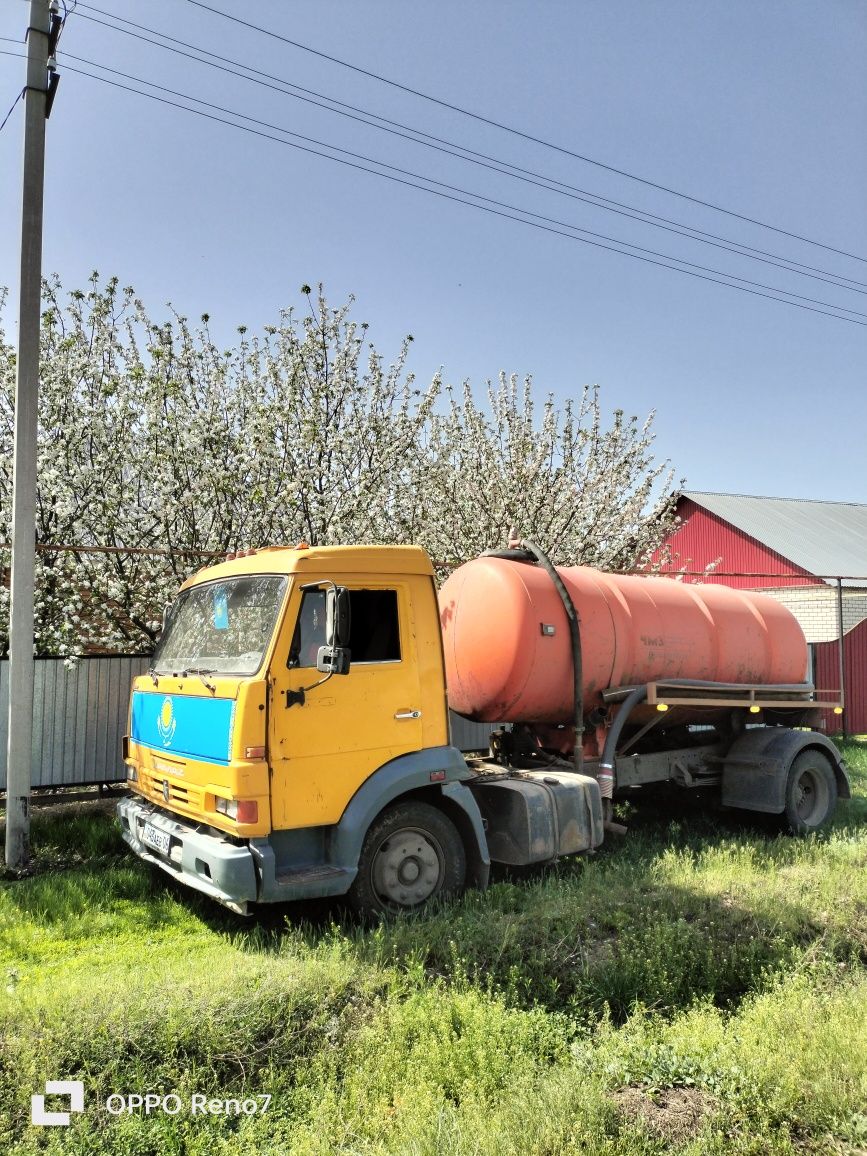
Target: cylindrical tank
point(507, 649)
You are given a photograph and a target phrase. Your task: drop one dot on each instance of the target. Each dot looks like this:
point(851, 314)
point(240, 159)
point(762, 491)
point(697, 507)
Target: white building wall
point(815, 608)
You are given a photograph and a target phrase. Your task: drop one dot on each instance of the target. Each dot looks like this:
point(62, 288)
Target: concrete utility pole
point(20, 746)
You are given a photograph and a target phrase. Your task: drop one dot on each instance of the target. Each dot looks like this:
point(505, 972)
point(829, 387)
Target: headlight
point(241, 810)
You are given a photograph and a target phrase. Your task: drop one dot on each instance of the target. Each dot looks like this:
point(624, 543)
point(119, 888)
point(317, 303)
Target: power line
point(460, 199)
point(478, 196)
point(461, 191)
point(15, 101)
point(272, 35)
point(473, 156)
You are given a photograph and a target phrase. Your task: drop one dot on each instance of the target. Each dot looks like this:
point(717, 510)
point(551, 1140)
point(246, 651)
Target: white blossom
point(159, 445)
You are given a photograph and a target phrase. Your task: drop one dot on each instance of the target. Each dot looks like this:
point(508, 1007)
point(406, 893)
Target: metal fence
point(80, 716)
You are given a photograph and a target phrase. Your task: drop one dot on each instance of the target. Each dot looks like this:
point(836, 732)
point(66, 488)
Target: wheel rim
point(407, 868)
point(811, 797)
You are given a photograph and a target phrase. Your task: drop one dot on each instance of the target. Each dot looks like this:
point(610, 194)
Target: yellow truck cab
point(291, 738)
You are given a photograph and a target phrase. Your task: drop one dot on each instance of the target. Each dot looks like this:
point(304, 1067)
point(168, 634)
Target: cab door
point(348, 725)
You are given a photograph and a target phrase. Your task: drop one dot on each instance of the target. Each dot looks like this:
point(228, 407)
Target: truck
point(291, 737)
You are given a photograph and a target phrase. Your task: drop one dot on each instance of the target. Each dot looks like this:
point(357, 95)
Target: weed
point(700, 986)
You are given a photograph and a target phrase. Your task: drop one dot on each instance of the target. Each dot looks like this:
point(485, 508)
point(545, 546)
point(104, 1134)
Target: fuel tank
point(508, 654)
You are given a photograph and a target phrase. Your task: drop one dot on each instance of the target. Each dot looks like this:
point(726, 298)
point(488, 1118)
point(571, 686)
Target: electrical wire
point(272, 35)
point(456, 189)
point(460, 199)
point(473, 156)
point(480, 197)
point(15, 101)
point(67, 12)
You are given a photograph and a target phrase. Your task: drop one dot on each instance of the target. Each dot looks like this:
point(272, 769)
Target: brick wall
point(815, 608)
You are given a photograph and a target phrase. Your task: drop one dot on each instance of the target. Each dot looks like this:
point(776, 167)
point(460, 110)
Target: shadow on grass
point(650, 919)
point(87, 901)
point(621, 928)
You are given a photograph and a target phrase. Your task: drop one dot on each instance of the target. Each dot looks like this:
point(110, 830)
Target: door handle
point(406, 714)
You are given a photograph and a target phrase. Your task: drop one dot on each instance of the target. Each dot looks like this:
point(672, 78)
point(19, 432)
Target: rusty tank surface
point(507, 647)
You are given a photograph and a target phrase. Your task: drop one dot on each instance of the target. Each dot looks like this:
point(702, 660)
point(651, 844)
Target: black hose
point(705, 684)
point(575, 640)
point(634, 695)
point(606, 765)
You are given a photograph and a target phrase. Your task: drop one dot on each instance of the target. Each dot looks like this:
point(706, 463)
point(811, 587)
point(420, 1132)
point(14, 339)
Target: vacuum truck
point(291, 738)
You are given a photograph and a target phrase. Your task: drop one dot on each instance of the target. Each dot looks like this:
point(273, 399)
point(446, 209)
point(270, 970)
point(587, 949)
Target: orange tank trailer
point(507, 649)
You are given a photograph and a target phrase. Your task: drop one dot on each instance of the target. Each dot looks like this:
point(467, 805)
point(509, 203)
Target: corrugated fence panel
point(77, 701)
point(79, 719)
point(827, 677)
point(469, 736)
point(80, 714)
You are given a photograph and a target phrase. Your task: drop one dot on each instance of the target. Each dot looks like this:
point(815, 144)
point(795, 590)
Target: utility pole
point(41, 37)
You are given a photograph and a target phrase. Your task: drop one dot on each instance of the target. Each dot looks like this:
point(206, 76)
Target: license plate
point(159, 840)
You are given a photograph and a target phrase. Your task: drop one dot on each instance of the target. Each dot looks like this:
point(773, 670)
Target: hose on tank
point(575, 641)
point(529, 552)
point(605, 775)
point(635, 695)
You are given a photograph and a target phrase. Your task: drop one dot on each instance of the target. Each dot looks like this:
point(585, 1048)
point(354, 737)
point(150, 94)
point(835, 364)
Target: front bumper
point(210, 863)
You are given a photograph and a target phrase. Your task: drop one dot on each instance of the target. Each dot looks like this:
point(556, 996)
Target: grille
point(186, 798)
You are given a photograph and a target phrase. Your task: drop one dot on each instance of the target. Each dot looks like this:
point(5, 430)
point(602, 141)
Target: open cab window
point(374, 634)
point(221, 627)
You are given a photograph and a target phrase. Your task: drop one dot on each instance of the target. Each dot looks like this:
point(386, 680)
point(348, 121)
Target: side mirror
point(332, 660)
point(338, 618)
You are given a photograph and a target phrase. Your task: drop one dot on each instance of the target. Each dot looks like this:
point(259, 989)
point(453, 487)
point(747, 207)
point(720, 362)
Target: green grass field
point(698, 986)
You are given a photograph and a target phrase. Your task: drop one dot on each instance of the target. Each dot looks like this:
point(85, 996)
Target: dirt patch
point(674, 1115)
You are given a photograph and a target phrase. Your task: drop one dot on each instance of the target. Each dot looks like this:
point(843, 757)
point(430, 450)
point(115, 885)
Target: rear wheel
point(811, 792)
point(411, 855)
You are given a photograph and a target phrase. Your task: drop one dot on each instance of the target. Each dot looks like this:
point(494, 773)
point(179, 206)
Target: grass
point(698, 986)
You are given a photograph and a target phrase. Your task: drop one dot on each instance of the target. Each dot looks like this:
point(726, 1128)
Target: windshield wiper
point(200, 671)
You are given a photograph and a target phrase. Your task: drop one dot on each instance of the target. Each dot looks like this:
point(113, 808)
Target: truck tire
point(811, 792)
point(411, 854)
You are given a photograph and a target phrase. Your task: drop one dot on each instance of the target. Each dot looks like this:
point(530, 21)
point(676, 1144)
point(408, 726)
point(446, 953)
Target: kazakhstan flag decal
point(198, 727)
point(166, 723)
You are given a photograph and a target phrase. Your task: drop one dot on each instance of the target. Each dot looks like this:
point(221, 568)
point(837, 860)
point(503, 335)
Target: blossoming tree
point(158, 450)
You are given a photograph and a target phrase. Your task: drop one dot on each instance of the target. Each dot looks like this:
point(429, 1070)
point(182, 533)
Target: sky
point(760, 109)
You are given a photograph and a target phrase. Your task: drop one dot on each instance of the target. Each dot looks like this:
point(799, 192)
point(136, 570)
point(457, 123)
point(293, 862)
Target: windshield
point(220, 627)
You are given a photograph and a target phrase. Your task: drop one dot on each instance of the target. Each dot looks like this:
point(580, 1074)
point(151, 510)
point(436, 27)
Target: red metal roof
point(704, 538)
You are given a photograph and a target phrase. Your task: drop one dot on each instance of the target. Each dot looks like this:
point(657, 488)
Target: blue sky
point(759, 108)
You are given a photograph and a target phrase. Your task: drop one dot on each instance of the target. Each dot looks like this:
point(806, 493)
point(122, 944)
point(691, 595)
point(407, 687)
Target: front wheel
point(811, 792)
point(411, 855)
